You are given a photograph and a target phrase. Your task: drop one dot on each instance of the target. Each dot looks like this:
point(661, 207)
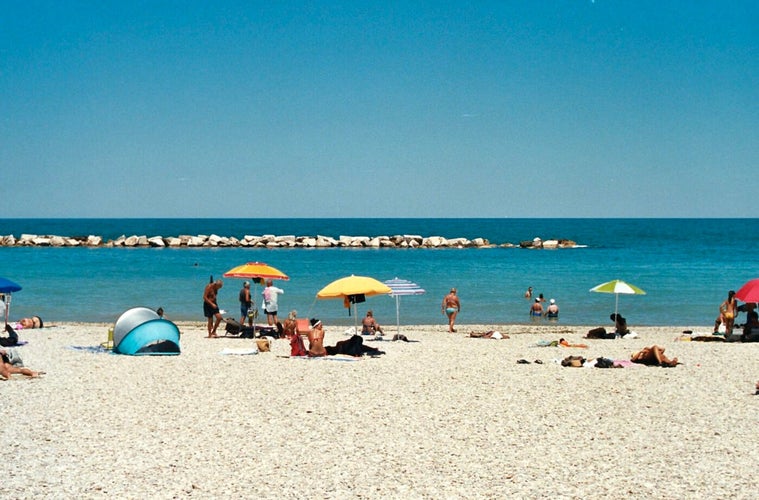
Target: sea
point(685, 266)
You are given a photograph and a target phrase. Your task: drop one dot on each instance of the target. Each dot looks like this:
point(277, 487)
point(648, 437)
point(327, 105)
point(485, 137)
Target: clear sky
point(573, 108)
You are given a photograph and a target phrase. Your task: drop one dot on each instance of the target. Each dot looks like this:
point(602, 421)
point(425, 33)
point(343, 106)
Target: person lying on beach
point(653, 356)
point(7, 368)
point(491, 334)
point(354, 346)
point(369, 325)
point(564, 343)
point(28, 323)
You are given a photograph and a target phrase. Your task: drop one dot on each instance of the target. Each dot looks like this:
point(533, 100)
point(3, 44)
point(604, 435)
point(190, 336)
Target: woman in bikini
point(727, 312)
point(451, 307)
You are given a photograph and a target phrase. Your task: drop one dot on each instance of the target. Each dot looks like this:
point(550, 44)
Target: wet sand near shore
point(445, 417)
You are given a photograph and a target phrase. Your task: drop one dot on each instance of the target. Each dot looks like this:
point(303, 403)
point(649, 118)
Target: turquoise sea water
point(686, 267)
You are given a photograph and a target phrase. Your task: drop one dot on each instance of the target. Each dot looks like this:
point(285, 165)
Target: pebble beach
point(446, 416)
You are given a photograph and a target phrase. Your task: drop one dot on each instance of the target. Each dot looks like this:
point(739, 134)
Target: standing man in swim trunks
point(451, 307)
point(211, 307)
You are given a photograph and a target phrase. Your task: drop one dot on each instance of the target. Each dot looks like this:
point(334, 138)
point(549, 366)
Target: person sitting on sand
point(751, 328)
point(290, 328)
point(7, 368)
point(620, 324)
point(369, 325)
point(316, 339)
point(653, 356)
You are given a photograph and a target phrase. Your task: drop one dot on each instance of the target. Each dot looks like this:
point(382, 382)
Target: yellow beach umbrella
point(353, 289)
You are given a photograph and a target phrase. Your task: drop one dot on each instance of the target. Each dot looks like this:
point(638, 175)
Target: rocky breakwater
point(266, 241)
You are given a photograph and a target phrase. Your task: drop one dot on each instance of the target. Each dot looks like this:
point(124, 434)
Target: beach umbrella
point(617, 287)
point(256, 272)
point(7, 287)
point(400, 288)
point(353, 289)
point(749, 292)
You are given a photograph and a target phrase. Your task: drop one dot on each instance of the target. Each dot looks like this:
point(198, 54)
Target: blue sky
point(379, 109)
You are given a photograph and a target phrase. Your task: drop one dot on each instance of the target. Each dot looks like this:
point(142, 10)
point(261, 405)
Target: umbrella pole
point(398, 313)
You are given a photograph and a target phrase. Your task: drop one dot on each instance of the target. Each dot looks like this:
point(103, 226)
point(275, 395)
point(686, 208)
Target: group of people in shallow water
point(536, 308)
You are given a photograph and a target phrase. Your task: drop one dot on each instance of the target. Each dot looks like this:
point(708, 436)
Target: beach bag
point(297, 347)
point(263, 345)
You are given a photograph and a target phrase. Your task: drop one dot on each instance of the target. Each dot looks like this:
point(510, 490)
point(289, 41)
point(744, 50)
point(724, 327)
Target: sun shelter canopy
point(140, 331)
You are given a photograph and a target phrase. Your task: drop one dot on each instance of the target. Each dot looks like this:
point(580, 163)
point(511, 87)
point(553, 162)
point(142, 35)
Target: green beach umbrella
point(616, 287)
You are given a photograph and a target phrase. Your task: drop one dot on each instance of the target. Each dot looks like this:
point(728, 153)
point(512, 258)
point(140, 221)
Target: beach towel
point(94, 349)
point(241, 351)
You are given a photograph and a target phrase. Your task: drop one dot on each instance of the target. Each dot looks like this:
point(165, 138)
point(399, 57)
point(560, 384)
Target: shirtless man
point(451, 307)
point(369, 325)
point(316, 339)
point(536, 309)
point(211, 307)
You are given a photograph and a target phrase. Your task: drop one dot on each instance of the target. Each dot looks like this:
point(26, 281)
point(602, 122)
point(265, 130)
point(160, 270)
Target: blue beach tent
point(141, 332)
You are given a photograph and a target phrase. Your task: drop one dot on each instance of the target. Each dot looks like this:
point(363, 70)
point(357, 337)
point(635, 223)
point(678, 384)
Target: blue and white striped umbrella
point(399, 288)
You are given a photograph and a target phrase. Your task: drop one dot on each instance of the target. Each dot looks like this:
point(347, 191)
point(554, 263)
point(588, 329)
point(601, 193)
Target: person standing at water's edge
point(451, 307)
point(271, 306)
point(727, 312)
point(211, 307)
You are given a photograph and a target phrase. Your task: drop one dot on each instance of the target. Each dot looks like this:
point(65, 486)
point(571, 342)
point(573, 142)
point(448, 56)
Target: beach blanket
point(94, 349)
point(337, 357)
point(239, 351)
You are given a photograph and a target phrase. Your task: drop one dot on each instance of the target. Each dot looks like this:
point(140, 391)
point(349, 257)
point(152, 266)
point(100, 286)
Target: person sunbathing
point(7, 368)
point(290, 328)
point(369, 325)
point(564, 343)
point(490, 334)
point(27, 323)
point(653, 356)
point(316, 339)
